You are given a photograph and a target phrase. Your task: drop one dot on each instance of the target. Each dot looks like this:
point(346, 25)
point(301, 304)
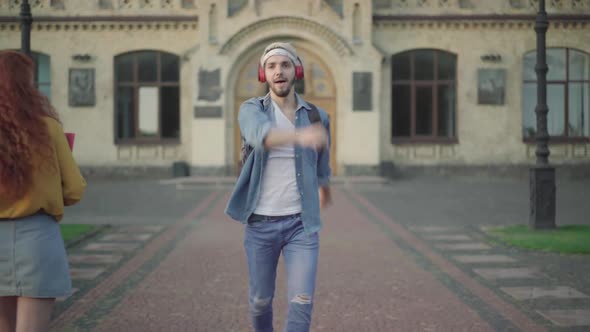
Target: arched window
point(423, 95)
point(147, 96)
point(568, 93)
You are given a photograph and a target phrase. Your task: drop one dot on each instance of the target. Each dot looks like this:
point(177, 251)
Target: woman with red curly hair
point(38, 177)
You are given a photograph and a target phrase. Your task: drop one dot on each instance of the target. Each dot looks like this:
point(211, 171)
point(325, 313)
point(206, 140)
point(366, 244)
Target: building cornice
point(118, 19)
point(490, 17)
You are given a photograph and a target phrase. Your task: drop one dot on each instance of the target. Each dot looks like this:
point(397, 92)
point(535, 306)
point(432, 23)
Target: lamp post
point(26, 20)
point(542, 175)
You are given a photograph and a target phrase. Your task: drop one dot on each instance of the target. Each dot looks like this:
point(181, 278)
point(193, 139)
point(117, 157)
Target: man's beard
point(282, 92)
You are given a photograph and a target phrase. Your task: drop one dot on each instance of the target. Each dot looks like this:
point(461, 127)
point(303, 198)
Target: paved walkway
point(377, 272)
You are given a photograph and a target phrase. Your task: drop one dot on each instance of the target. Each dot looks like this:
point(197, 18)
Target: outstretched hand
point(314, 136)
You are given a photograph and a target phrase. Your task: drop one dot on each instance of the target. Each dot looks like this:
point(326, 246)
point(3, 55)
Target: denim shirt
point(312, 167)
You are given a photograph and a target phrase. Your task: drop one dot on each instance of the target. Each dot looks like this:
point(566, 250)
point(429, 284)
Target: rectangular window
point(125, 112)
point(529, 104)
point(401, 67)
point(424, 65)
point(579, 66)
point(169, 70)
point(556, 103)
point(556, 63)
point(555, 116)
point(579, 97)
point(446, 110)
point(124, 68)
point(446, 66)
point(147, 67)
point(148, 111)
point(401, 118)
point(170, 118)
point(424, 111)
point(42, 73)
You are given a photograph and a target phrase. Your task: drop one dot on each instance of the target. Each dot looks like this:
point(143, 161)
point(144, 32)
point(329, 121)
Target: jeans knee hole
point(302, 299)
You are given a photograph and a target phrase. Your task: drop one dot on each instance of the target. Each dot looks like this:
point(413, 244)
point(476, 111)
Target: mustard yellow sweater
point(53, 187)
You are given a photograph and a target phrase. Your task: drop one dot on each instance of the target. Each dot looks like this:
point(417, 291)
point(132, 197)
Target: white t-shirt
point(279, 194)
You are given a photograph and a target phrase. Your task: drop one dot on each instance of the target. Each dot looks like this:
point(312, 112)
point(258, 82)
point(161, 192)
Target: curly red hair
point(23, 131)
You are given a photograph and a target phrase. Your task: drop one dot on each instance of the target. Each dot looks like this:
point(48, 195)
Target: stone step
point(139, 229)
point(108, 246)
point(568, 318)
point(463, 246)
point(508, 273)
point(125, 237)
point(94, 259)
point(78, 273)
point(432, 229)
point(555, 292)
point(449, 237)
point(476, 259)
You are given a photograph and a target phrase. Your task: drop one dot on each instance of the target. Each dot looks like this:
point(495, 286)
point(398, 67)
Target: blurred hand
point(325, 197)
point(314, 136)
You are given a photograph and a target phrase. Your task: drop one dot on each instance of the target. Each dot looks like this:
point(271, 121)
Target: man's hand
point(325, 197)
point(314, 136)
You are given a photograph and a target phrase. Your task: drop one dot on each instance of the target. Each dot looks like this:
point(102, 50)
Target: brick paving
point(377, 272)
point(364, 283)
point(64, 320)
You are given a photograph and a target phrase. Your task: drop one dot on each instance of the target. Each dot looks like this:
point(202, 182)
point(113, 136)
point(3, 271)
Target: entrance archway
point(318, 87)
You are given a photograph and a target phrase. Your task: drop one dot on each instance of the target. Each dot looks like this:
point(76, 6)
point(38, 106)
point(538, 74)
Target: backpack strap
point(246, 149)
point(313, 114)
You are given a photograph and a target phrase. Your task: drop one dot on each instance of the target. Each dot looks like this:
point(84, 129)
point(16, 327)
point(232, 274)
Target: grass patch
point(72, 231)
point(571, 239)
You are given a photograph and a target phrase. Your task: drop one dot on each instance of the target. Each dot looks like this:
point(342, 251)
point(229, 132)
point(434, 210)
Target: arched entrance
point(317, 87)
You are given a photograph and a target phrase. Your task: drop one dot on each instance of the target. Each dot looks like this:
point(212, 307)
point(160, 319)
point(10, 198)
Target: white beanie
point(280, 48)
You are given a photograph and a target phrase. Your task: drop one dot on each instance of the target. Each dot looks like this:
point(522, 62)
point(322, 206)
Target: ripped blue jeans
point(264, 241)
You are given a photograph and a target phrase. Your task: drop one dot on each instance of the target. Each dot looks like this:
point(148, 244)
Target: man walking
point(283, 184)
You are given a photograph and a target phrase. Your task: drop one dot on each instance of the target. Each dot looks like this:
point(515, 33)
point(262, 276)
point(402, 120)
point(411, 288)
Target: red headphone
point(298, 72)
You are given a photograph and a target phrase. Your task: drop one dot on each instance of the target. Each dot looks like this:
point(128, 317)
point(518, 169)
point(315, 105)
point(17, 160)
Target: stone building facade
point(145, 83)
